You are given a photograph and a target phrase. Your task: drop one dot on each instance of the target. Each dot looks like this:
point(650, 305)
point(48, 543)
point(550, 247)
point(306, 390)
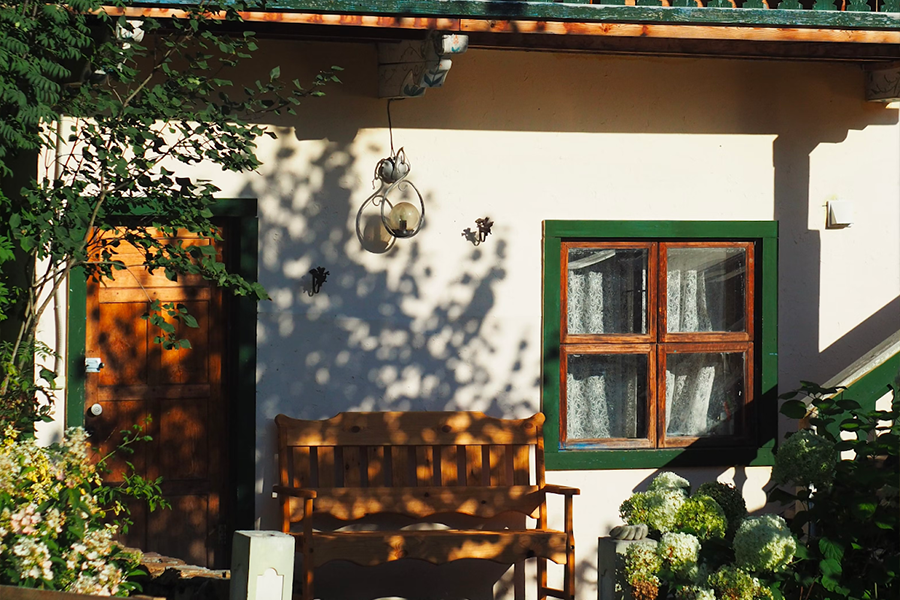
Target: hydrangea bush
point(55, 530)
point(846, 510)
point(690, 555)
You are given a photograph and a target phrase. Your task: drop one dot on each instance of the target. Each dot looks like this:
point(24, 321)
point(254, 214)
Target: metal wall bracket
point(407, 68)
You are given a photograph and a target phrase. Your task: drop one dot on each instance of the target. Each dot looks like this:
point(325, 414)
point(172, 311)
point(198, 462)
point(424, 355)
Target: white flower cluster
point(806, 458)
point(642, 563)
point(670, 481)
point(764, 544)
point(31, 558)
point(655, 508)
point(51, 527)
point(680, 553)
point(695, 592)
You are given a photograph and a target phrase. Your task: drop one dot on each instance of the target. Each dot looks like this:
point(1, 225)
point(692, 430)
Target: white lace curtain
point(606, 294)
point(606, 393)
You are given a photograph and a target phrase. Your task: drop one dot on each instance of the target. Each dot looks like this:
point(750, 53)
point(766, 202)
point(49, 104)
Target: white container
point(262, 565)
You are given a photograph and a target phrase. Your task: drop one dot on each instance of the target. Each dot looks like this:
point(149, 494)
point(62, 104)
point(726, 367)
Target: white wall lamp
point(840, 214)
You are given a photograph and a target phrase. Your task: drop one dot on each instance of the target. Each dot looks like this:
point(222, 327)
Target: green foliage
point(26, 399)
point(848, 522)
point(58, 520)
point(117, 107)
point(703, 517)
point(730, 499)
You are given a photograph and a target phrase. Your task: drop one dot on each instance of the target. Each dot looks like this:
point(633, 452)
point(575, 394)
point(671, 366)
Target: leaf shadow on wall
point(373, 339)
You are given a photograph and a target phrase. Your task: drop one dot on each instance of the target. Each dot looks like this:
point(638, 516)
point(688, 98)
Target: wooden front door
point(180, 391)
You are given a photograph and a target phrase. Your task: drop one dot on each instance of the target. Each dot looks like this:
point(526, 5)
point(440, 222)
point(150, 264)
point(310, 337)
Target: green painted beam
point(556, 460)
point(578, 12)
point(876, 383)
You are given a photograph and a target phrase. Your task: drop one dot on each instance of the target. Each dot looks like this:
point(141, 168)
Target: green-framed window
point(659, 343)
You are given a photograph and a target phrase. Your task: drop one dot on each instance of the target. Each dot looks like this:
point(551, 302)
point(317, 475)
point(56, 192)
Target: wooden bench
point(420, 464)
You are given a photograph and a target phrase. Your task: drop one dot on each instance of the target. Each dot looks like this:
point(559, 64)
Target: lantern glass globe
point(403, 220)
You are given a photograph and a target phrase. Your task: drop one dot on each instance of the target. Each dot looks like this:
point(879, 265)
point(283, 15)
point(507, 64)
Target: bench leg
point(307, 580)
point(542, 578)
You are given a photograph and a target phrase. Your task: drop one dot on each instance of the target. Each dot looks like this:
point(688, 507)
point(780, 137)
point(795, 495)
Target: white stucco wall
point(436, 323)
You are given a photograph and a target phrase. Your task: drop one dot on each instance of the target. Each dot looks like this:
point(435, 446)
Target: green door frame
point(242, 429)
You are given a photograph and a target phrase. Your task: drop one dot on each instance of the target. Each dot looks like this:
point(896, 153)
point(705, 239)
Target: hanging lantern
point(401, 219)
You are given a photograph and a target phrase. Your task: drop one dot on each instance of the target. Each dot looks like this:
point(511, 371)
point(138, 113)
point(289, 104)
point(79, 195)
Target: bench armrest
point(292, 491)
point(561, 489)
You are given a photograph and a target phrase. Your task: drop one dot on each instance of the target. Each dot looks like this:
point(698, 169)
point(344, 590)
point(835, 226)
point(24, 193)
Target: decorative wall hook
point(483, 227)
point(319, 275)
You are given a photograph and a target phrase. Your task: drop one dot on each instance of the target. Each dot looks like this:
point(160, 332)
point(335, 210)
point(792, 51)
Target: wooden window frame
point(625, 338)
point(754, 441)
point(744, 425)
point(645, 349)
point(717, 336)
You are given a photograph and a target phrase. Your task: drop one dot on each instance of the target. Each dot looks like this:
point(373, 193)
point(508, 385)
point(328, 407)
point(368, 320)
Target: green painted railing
point(872, 376)
point(845, 14)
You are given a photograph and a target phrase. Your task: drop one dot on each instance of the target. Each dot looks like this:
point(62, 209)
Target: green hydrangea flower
point(680, 554)
point(732, 583)
point(670, 481)
point(806, 458)
point(703, 517)
point(764, 544)
point(730, 500)
point(655, 508)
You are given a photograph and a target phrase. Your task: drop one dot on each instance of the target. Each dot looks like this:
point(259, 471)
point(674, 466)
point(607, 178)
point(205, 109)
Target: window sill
point(573, 460)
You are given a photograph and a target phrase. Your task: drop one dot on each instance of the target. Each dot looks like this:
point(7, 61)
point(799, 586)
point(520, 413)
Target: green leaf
point(190, 321)
point(831, 573)
point(831, 549)
point(849, 404)
point(850, 425)
point(274, 73)
point(795, 409)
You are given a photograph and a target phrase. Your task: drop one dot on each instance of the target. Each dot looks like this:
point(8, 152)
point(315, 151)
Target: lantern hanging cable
point(401, 219)
point(390, 125)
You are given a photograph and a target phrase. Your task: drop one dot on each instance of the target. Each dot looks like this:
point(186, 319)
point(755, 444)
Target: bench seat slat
point(377, 547)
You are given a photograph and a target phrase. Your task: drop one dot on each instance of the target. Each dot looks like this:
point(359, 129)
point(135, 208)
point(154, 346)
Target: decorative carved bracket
point(883, 83)
point(406, 69)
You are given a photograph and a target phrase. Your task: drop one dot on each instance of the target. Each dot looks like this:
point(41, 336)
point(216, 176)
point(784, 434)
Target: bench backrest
point(341, 456)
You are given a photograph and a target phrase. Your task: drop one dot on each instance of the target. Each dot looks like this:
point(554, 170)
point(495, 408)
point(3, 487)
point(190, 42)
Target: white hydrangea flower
point(694, 592)
point(680, 552)
point(670, 481)
point(764, 544)
point(655, 508)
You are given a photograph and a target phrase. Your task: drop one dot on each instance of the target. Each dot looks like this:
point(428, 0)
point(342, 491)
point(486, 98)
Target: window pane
point(606, 396)
point(607, 290)
point(704, 393)
point(705, 289)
